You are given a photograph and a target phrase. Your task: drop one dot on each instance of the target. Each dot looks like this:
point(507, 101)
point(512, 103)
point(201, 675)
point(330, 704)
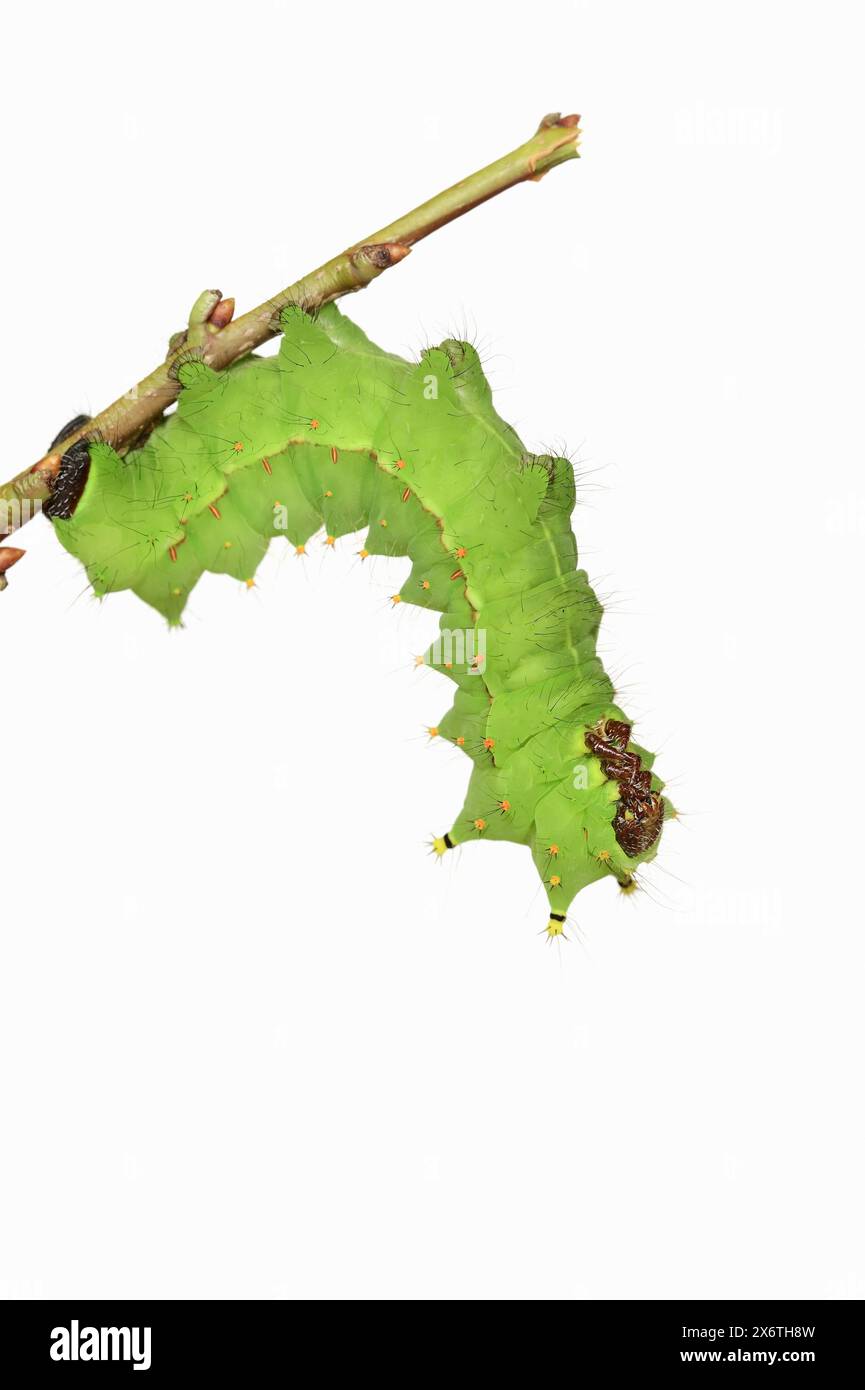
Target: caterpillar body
point(335, 433)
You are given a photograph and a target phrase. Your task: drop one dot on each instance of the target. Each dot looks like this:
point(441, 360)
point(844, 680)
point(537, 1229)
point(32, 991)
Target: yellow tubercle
point(440, 845)
point(555, 928)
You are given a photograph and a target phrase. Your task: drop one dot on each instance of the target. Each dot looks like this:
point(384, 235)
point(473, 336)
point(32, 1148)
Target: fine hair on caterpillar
point(333, 438)
point(333, 435)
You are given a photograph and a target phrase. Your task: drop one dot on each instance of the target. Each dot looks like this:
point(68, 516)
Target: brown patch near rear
point(639, 810)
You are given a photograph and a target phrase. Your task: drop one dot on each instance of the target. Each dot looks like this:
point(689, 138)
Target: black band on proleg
point(72, 428)
point(448, 841)
point(69, 483)
point(557, 916)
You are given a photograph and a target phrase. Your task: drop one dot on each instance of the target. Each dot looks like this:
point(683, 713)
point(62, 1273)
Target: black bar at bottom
point(242, 1340)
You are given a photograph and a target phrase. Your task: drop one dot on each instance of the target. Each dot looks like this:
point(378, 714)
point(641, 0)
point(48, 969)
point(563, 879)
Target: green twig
point(219, 341)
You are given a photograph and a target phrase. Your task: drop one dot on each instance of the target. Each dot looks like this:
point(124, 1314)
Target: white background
point(254, 1041)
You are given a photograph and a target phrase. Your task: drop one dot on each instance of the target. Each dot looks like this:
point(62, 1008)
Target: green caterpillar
point(334, 433)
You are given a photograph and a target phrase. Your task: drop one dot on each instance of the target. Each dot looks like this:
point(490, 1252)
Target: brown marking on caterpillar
point(265, 463)
point(334, 453)
point(639, 811)
point(214, 511)
point(618, 733)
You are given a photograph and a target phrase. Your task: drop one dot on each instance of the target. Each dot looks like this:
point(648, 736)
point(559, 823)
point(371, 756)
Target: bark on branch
point(222, 340)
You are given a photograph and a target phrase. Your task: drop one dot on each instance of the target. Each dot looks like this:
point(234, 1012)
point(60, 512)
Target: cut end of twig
point(559, 139)
point(555, 118)
point(222, 313)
